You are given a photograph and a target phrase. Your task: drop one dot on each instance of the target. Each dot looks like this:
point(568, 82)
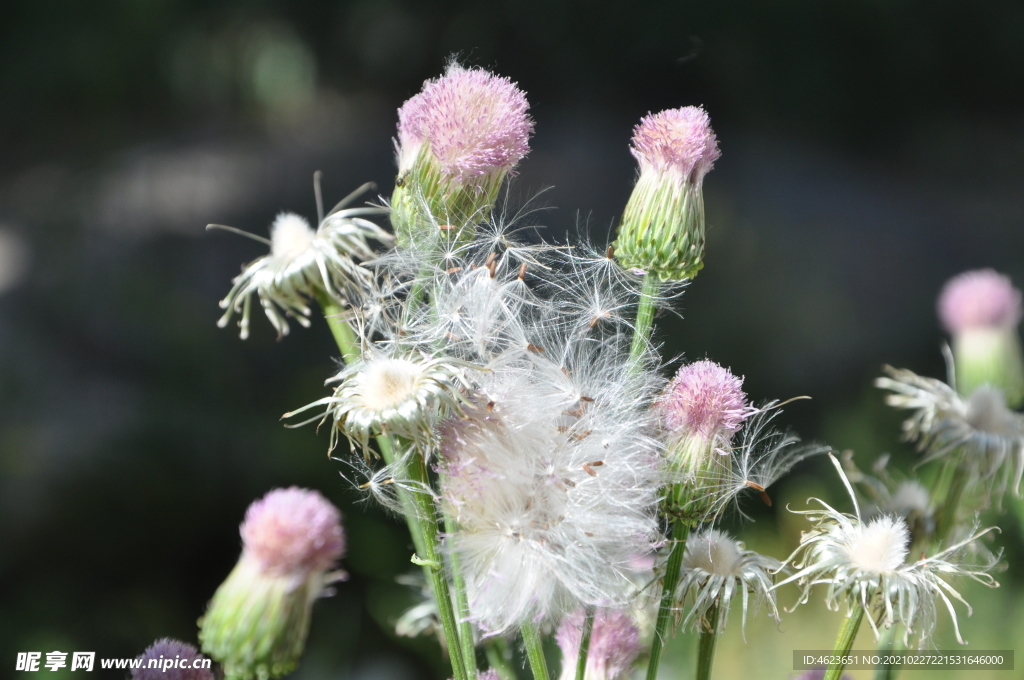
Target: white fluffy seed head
point(712, 551)
point(878, 547)
point(910, 496)
point(290, 236)
point(987, 411)
point(387, 382)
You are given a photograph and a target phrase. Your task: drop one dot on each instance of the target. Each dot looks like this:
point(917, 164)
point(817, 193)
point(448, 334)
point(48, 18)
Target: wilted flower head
point(168, 659)
point(662, 229)
point(401, 395)
point(865, 564)
point(984, 435)
point(457, 140)
point(614, 644)
point(257, 621)
point(304, 262)
point(981, 310)
point(715, 569)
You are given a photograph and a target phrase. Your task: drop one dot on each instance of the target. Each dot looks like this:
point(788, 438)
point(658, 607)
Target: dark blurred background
point(870, 150)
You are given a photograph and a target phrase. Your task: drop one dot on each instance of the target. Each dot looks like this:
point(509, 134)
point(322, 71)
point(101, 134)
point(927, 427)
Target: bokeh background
point(870, 150)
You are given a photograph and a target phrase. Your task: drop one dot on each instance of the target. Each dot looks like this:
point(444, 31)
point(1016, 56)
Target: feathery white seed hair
point(864, 564)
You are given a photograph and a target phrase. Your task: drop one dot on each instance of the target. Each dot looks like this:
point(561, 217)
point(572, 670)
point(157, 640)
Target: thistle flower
point(906, 498)
point(715, 569)
point(984, 435)
point(398, 395)
point(981, 310)
point(662, 229)
point(168, 659)
point(553, 486)
point(457, 140)
point(700, 410)
point(614, 644)
point(303, 262)
point(257, 621)
point(865, 565)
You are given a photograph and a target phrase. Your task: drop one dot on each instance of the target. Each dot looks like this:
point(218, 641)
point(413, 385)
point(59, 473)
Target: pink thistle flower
point(614, 644)
point(678, 141)
point(981, 310)
point(168, 659)
point(475, 123)
point(257, 621)
point(980, 298)
point(704, 400)
point(662, 228)
point(293, 531)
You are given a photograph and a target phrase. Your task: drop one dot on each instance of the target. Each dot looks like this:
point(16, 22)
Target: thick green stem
point(706, 647)
point(500, 658)
point(418, 508)
point(644, 320)
point(888, 643)
point(343, 334)
point(844, 642)
point(680, 532)
point(947, 516)
point(468, 650)
point(535, 651)
point(427, 521)
point(588, 629)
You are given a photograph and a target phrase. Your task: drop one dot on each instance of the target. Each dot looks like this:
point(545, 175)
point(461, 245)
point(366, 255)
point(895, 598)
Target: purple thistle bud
point(475, 122)
point(614, 644)
point(704, 400)
point(662, 228)
point(980, 298)
point(981, 310)
point(257, 622)
point(168, 659)
point(678, 141)
point(293, 531)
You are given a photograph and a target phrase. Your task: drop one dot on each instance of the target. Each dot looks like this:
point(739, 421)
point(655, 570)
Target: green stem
point(588, 629)
point(499, 658)
point(887, 644)
point(706, 646)
point(427, 521)
point(644, 320)
point(418, 508)
point(468, 650)
point(535, 651)
point(343, 334)
point(844, 642)
point(947, 516)
point(680, 532)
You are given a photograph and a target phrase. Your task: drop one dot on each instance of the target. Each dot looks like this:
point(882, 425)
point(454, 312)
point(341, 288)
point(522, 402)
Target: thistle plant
point(505, 397)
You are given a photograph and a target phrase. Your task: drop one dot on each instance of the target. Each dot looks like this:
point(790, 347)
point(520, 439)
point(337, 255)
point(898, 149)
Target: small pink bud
point(168, 659)
point(980, 298)
point(614, 644)
point(293, 532)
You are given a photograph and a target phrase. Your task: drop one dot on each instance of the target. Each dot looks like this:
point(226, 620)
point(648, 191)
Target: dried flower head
point(457, 140)
point(257, 621)
point(865, 564)
point(398, 395)
point(981, 310)
point(662, 229)
point(168, 659)
point(715, 569)
point(304, 262)
point(984, 435)
point(615, 644)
